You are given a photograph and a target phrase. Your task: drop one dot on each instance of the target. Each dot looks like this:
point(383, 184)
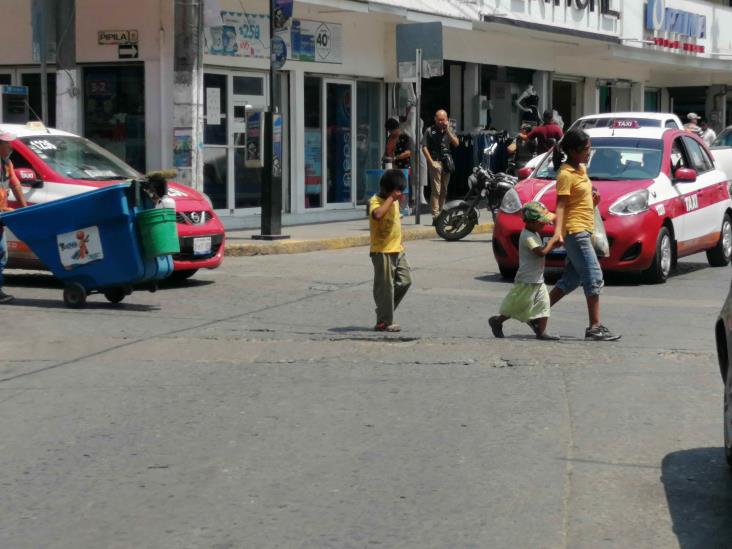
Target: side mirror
point(28, 177)
point(524, 173)
point(685, 175)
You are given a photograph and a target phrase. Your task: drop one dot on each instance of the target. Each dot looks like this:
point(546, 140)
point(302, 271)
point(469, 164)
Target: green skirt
point(526, 302)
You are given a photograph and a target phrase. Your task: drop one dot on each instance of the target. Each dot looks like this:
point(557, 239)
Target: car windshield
point(78, 158)
point(617, 159)
point(724, 139)
point(607, 122)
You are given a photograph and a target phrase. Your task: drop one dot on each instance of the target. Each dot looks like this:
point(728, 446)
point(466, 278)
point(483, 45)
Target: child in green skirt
point(528, 300)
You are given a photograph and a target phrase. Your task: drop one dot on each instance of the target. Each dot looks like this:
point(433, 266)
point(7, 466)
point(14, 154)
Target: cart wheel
point(75, 295)
point(115, 295)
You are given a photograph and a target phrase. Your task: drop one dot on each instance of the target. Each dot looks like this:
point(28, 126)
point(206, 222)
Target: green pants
point(392, 279)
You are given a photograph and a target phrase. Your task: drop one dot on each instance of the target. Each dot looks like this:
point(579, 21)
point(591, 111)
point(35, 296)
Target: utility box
point(14, 103)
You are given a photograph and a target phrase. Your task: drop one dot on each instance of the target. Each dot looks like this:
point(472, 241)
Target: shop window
point(248, 85)
point(33, 81)
point(652, 101)
point(313, 143)
point(369, 146)
point(114, 111)
point(5, 80)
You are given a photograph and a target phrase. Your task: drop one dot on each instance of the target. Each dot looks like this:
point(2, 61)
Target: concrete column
point(297, 150)
point(188, 85)
point(68, 76)
point(471, 90)
point(456, 84)
point(542, 82)
point(637, 97)
point(590, 103)
point(665, 100)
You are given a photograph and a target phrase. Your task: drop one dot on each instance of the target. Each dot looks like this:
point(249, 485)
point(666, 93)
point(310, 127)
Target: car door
point(706, 200)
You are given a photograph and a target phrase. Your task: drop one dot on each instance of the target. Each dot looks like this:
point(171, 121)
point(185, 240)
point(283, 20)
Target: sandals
point(384, 327)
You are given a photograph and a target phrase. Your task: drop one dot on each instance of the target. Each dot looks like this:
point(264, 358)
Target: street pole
point(271, 227)
point(44, 63)
point(417, 140)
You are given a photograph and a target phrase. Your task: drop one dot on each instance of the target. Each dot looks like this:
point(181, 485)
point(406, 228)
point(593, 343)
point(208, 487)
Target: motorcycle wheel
point(456, 223)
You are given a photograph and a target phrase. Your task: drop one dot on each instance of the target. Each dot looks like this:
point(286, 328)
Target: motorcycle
point(459, 217)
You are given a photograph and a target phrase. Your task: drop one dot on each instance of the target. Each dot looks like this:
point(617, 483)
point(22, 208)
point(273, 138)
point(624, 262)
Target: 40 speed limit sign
point(323, 42)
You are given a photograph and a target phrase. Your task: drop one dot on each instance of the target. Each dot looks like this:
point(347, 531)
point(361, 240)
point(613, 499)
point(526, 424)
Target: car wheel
point(719, 256)
point(180, 276)
point(660, 269)
point(507, 272)
point(115, 295)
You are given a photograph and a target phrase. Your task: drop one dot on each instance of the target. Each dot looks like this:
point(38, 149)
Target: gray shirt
point(531, 266)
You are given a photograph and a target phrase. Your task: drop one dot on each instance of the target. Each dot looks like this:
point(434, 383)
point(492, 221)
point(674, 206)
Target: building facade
point(339, 81)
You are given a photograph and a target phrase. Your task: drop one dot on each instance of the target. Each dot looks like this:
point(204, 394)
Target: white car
point(609, 119)
point(722, 151)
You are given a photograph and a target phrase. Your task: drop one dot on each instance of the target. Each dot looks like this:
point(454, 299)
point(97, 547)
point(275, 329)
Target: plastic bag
point(599, 237)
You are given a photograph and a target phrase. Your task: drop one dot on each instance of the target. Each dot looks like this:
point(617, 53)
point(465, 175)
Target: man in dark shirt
point(436, 144)
point(548, 130)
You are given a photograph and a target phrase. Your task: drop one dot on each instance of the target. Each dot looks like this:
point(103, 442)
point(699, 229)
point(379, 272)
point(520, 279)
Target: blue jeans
point(3, 254)
point(582, 266)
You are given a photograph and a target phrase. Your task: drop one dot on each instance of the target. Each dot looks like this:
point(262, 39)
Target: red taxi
point(661, 198)
point(53, 164)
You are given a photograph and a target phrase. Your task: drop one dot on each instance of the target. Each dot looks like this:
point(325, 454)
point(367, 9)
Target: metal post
point(271, 227)
point(417, 142)
point(44, 64)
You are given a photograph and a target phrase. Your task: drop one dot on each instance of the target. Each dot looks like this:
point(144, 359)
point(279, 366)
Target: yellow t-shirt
point(386, 233)
point(579, 214)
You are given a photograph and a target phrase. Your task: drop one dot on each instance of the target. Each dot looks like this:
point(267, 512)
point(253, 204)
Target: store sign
point(589, 5)
point(112, 37)
point(678, 26)
point(247, 35)
point(662, 19)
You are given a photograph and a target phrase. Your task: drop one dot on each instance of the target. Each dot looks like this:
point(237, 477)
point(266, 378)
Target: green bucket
point(158, 232)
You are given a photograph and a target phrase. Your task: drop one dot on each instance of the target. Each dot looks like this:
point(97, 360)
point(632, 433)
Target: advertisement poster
point(213, 106)
point(340, 151)
point(79, 247)
point(282, 10)
point(182, 147)
point(254, 140)
point(313, 166)
point(277, 145)
point(247, 35)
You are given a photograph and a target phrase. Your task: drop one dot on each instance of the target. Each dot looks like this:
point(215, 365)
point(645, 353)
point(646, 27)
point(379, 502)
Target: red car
point(53, 164)
point(661, 198)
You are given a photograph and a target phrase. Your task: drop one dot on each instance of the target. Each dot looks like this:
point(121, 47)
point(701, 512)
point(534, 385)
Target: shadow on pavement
point(351, 329)
point(47, 280)
point(698, 487)
point(103, 304)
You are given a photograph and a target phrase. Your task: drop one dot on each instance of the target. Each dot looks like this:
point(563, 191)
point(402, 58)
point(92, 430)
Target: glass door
point(229, 183)
point(339, 142)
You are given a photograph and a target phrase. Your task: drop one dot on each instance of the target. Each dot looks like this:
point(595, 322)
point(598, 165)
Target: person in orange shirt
point(8, 181)
point(574, 225)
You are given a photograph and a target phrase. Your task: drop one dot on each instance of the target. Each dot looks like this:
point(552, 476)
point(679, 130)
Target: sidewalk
point(326, 236)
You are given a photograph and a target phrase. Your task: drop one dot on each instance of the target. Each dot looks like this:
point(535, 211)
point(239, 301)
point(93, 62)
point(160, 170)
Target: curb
point(316, 245)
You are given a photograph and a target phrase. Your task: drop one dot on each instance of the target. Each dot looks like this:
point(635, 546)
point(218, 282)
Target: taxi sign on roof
point(625, 124)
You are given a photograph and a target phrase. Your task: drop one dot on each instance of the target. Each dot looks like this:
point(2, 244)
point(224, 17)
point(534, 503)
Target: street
point(254, 407)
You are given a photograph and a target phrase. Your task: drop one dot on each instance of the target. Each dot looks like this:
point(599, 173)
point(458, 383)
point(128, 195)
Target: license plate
point(556, 251)
point(202, 245)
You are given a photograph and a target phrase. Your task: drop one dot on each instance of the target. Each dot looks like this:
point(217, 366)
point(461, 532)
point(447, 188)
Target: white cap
point(7, 136)
point(692, 116)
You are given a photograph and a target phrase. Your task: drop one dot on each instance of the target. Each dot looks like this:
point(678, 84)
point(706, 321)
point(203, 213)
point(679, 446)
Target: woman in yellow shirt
point(575, 223)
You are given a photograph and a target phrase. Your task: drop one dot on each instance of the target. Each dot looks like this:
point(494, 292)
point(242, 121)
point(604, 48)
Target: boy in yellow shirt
point(392, 276)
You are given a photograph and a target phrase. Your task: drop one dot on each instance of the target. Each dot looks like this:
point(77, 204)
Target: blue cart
point(90, 242)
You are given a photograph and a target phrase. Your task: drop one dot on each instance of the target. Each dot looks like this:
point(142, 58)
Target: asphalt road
point(253, 407)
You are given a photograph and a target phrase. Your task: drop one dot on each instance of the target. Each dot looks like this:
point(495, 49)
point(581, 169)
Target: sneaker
point(600, 333)
point(547, 337)
point(496, 326)
point(384, 327)
point(5, 298)
point(434, 222)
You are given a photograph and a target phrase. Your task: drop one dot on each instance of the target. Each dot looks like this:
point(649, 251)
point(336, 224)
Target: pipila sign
point(603, 6)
